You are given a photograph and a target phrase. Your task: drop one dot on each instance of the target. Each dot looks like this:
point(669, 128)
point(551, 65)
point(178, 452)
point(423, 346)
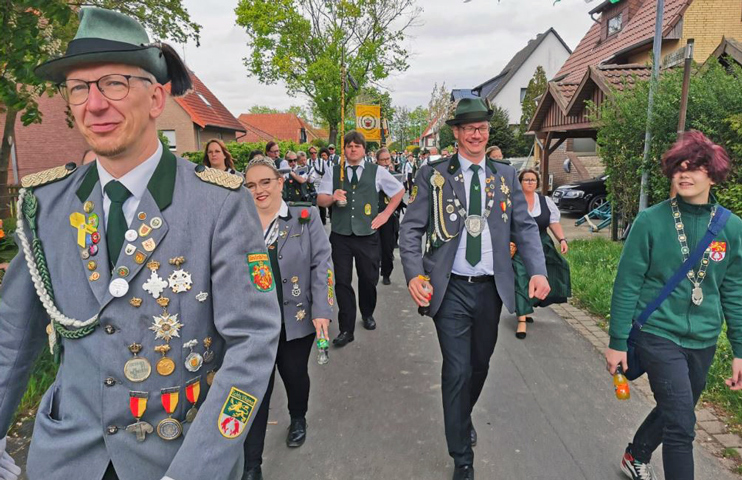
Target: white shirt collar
point(284, 210)
point(466, 163)
point(135, 180)
point(348, 165)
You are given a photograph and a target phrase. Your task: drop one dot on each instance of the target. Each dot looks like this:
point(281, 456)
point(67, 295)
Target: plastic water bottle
point(323, 355)
point(621, 385)
point(425, 309)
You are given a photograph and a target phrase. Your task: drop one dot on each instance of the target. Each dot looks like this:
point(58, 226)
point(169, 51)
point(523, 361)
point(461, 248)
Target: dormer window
point(203, 99)
point(615, 24)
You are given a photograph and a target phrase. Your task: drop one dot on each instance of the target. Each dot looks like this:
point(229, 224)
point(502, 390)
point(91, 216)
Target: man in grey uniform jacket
point(155, 277)
point(468, 209)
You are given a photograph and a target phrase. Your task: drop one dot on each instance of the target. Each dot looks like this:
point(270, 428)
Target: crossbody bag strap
point(715, 227)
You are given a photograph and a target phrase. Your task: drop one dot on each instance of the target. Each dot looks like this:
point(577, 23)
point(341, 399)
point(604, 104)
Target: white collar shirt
point(135, 181)
point(486, 265)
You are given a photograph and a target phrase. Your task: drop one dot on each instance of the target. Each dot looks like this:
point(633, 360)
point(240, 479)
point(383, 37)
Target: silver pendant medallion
point(697, 296)
point(474, 225)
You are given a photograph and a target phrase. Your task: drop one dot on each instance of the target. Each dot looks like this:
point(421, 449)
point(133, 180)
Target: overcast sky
point(461, 44)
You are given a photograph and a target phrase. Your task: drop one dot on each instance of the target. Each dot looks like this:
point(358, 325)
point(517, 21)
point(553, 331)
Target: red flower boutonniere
point(304, 216)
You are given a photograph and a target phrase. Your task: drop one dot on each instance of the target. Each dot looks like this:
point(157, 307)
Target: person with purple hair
point(677, 343)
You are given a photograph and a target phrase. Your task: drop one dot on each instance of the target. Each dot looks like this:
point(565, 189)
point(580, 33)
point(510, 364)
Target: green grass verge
point(42, 376)
point(593, 266)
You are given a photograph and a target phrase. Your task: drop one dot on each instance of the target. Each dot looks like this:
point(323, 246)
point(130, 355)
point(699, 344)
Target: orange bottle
point(621, 385)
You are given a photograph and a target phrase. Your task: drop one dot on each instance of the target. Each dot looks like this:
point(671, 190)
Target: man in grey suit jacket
point(468, 209)
point(154, 275)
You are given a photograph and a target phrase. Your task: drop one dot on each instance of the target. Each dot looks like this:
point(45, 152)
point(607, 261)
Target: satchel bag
point(632, 357)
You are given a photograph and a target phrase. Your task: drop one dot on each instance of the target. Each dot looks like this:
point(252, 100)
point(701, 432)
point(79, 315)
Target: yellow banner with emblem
point(368, 121)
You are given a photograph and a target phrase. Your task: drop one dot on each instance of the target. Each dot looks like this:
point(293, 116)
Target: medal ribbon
point(169, 398)
point(193, 390)
point(138, 403)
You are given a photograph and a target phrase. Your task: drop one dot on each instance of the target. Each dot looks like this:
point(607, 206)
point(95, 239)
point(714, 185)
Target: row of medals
point(165, 326)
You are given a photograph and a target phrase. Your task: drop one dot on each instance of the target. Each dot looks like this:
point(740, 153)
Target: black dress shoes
point(369, 323)
point(463, 472)
point(473, 437)
point(386, 281)
point(297, 433)
point(254, 473)
point(343, 339)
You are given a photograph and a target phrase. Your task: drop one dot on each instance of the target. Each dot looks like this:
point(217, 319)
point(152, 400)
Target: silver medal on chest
point(697, 295)
point(474, 225)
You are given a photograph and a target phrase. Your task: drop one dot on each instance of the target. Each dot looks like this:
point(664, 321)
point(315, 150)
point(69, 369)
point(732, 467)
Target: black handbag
point(632, 357)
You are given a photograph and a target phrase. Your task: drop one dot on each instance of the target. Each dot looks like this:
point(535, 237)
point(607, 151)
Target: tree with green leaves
point(34, 30)
point(304, 42)
point(501, 133)
point(714, 106)
point(536, 88)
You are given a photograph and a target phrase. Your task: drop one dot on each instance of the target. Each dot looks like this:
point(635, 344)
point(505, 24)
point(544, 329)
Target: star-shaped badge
point(180, 281)
point(166, 326)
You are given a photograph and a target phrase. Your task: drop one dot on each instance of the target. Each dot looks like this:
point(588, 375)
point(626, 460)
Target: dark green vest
point(363, 203)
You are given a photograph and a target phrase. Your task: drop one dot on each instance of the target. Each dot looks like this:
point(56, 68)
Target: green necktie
point(116, 226)
point(474, 244)
point(354, 178)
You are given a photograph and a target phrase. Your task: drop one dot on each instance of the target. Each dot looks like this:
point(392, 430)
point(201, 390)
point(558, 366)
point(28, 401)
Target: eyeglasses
point(113, 87)
point(263, 184)
point(481, 130)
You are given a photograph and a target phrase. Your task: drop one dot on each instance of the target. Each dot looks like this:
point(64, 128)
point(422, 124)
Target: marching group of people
point(139, 258)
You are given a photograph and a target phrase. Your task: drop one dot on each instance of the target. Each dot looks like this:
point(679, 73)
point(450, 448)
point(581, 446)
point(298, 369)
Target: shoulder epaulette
point(219, 177)
point(48, 176)
point(299, 204)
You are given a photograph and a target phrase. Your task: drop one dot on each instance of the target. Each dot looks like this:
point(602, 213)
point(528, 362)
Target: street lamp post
point(657, 52)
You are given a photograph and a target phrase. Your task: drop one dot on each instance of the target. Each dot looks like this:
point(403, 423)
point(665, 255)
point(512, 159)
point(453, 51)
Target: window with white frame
point(170, 135)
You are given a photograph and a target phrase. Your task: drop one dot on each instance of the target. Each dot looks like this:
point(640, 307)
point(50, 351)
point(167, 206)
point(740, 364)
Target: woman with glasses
point(547, 216)
point(300, 257)
point(217, 156)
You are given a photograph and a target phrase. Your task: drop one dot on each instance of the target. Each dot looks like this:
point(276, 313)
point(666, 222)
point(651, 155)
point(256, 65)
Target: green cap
point(105, 36)
point(471, 110)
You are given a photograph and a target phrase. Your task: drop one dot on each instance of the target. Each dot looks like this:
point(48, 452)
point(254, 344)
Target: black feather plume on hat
point(180, 79)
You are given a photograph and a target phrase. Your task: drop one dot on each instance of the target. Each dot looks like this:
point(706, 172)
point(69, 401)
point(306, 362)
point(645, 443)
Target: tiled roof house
point(264, 127)
point(193, 119)
point(612, 55)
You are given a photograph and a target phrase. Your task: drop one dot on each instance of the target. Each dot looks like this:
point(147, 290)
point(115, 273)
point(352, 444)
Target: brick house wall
point(175, 118)
point(707, 21)
point(47, 144)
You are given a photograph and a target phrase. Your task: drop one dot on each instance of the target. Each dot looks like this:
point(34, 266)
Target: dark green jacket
point(652, 255)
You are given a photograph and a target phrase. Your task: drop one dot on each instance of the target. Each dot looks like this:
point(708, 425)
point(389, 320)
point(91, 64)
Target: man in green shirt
point(677, 343)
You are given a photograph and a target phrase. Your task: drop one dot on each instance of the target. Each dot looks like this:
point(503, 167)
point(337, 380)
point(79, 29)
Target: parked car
point(581, 197)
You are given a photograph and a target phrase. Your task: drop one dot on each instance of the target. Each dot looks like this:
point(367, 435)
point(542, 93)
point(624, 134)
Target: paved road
point(547, 411)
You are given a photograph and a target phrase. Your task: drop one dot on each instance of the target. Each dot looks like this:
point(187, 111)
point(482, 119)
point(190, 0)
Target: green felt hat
point(471, 110)
point(105, 36)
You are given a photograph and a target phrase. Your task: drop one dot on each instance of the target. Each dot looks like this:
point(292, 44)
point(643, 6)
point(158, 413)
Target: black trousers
point(677, 376)
point(467, 324)
point(387, 242)
point(365, 252)
point(292, 361)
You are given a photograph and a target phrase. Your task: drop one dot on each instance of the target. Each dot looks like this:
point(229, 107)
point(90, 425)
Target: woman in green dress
point(546, 215)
